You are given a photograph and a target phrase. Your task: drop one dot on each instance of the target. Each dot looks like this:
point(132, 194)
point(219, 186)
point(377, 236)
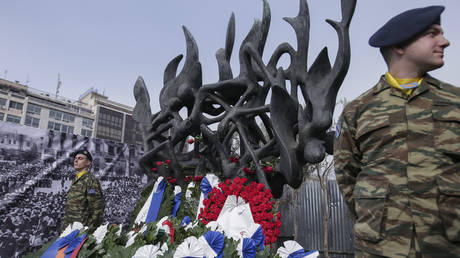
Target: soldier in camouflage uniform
point(85, 201)
point(397, 148)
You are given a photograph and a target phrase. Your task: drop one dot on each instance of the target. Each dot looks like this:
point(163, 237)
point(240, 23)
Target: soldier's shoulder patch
point(338, 129)
point(92, 191)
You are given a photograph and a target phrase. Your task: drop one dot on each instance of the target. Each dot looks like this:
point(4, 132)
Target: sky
point(107, 44)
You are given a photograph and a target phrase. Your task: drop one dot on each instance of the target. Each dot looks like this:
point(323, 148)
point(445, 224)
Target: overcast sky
point(106, 44)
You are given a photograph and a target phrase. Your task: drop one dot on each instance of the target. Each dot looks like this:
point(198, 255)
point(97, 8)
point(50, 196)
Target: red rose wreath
point(260, 200)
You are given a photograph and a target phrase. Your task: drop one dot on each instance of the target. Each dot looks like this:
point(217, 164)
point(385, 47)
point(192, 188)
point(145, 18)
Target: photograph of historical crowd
point(36, 170)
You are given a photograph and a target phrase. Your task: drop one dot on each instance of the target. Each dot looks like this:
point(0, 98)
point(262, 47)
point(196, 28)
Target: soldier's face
point(427, 52)
point(81, 162)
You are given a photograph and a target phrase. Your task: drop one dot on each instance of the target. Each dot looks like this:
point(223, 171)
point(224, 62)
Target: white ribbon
point(236, 209)
point(190, 247)
point(290, 246)
point(148, 251)
point(177, 189)
point(209, 252)
point(142, 215)
point(214, 182)
point(214, 226)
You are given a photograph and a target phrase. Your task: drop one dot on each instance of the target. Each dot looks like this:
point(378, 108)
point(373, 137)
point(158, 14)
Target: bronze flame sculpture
point(236, 107)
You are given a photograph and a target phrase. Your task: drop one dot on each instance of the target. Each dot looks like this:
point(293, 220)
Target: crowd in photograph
point(33, 220)
point(35, 216)
point(120, 197)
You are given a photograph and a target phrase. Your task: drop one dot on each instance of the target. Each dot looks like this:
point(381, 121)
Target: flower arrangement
point(260, 201)
point(177, 237)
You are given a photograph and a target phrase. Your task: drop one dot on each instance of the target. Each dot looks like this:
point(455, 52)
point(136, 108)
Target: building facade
point(93, 115)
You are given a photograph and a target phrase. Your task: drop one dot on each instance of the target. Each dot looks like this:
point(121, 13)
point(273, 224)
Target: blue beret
point(406, 25)
point(84, 152)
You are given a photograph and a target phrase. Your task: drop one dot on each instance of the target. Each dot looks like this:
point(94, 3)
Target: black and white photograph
point(36, 168)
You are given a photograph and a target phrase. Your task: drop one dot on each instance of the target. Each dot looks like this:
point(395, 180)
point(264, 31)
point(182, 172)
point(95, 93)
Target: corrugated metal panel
point(309, 218)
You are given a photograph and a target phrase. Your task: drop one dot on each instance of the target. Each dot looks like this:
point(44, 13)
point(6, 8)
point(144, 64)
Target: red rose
point(167, 161)
point(154, 169)
point(159, 163)
point(197, 178)
point(268, 169)
point(190, 141)
point(246, 170)
point(172, 181)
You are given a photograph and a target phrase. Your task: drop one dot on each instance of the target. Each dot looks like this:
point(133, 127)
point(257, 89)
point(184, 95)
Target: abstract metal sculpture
point(239, 109)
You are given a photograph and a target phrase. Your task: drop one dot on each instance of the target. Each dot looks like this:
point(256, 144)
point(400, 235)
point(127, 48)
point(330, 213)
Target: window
point(60, 127)
point(58, 115)
point(2, 102)
point(31, 121)
point(85, 132)
point(13, 119)
point(68, 118)
point(2, 116)
point(33, 109)
point(88, 122)
point(16, 105)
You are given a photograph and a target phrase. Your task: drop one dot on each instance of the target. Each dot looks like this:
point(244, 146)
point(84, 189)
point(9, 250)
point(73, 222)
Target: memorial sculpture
point(257, 116)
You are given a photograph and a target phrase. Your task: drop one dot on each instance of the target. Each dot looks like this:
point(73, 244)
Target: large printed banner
point(36, 170)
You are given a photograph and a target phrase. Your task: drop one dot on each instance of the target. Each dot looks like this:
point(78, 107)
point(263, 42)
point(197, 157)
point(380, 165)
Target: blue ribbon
point(216, 241)
point(185, 221)
point(74, 244)
point(51, 252)
point(259, 238)
point(249, 248)
point(205, 187)
point(156, 202)
point(300, 253)
point(176, 204)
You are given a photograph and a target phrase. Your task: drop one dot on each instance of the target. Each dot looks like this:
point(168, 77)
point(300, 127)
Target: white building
point(93, 115)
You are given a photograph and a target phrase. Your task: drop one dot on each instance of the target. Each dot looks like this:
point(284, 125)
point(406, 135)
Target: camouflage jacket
point(397, 162)
point(85, 202)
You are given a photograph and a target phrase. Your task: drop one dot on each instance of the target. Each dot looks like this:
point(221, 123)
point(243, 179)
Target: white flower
point(188, 192)
point(100, 233)
point(71, 227)
point(132, 235)
point(191, 225)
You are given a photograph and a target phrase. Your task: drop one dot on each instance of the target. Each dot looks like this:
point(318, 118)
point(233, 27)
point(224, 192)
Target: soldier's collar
point(432, 81)
point(383, 84)
point(81, 173)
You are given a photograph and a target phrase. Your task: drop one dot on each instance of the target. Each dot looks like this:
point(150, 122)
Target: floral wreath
point(260, 200)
